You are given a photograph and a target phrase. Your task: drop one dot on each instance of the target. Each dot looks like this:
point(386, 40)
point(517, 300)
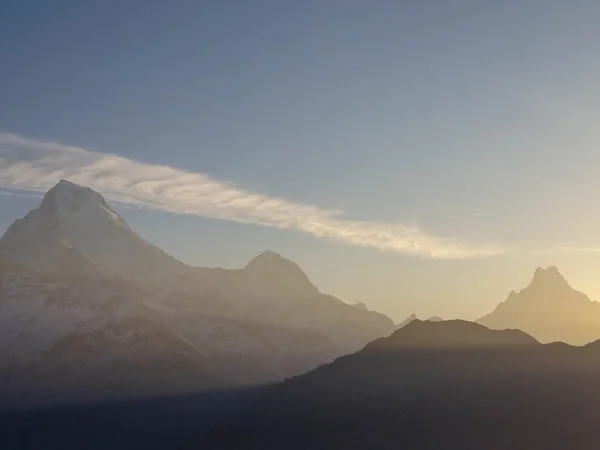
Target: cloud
point(36, 166)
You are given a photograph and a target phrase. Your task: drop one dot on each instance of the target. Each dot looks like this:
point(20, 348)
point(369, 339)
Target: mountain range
point(90, 310)
point(454, 385)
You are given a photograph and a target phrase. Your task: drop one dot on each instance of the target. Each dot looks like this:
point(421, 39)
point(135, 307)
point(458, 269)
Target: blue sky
point(472, 122)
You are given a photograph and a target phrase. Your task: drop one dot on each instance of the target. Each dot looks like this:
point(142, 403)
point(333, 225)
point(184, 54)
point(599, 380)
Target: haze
point(418, 158)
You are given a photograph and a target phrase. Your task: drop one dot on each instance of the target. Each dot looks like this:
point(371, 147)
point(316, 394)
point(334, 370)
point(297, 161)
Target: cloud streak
point(36, 166)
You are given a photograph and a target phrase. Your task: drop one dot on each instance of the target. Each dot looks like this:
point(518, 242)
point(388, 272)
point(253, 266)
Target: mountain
point(431, 385)
point(413, 317)
point(76, 222)
point(270, 276)
point(75, 228)
point(550, 310)
point(406, 321)
point(275, 290)
point(90, 310)
point(111, 339)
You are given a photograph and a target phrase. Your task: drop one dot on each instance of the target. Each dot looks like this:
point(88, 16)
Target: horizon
point(379, 147)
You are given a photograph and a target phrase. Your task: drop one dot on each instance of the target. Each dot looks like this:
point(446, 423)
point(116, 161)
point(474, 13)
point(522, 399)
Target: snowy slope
point(37, 310)
point(65, 339)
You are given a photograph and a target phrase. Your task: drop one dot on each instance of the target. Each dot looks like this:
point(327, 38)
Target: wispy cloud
point(36, 166)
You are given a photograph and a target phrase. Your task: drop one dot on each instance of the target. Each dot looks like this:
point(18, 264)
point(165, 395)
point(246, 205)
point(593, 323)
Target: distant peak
point(270, 258)
point(548, 270)
point(549, 276)
point(269, 254)
point(277, 273)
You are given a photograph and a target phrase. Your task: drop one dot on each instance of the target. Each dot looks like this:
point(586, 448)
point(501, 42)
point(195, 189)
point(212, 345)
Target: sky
point(418, 156)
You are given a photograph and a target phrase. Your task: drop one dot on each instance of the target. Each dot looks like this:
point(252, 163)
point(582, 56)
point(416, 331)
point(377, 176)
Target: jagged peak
point(408, 320)
point(548, 277)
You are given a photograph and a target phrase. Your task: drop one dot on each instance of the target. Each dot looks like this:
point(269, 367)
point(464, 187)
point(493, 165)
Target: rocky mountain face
point(550, 310)
point(431, 385)
point(89, 309)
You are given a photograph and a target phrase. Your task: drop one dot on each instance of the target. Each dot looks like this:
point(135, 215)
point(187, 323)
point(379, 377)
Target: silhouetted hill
point(451, 333)
point(550, 310)
point(447, 385)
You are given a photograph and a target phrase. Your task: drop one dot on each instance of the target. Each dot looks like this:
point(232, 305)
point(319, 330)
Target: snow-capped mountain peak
point(67, 199)
point(80, 290)
point(75, 217)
